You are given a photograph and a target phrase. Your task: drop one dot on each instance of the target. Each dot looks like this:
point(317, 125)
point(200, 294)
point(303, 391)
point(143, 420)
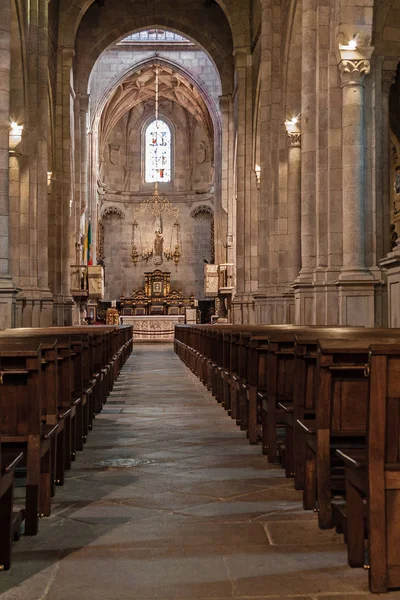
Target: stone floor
point(169, 502)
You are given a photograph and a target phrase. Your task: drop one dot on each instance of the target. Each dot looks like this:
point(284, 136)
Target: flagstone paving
point(169, 502)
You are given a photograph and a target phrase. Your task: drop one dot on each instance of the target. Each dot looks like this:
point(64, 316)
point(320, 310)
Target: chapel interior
point(196, 198)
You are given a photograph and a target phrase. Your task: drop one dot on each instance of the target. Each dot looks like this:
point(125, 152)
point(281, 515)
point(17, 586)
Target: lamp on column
point(292, 124)
point(257, 171)
point(15, 135)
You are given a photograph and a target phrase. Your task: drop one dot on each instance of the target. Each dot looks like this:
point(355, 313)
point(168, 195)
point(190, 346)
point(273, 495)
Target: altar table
point(153, 328)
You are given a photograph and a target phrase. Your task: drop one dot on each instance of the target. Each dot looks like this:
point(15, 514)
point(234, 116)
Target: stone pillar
point(304, 290)
point(322, 284)
point(46, 298)
point(227, 166)
point(309, 141)
point(265, 193)
point(356, 284)
point(63, 301)
point(7, 288)
point(388, 78)
point(246, 215)
point(294, 200)
point(82, 190)
point(391, 260)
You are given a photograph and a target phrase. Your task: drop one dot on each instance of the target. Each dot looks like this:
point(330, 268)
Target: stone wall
point(120, 59)
point(121, 276)
point(191, 190)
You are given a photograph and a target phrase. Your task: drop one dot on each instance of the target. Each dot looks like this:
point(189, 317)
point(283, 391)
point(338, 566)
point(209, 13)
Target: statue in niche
point(201, 153)
point(158, 248)
point(114, 153)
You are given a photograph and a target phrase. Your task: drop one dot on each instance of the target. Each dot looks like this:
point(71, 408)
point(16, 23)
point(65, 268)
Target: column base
point(243, 309)
point(274, 307)
point(8, 295)
point(304, 302)
point(62, 310)
point(391, 264)
point(357, 298)
point(34, 308)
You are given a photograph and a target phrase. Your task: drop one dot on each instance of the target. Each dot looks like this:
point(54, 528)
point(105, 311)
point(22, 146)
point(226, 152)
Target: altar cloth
point(154, 328)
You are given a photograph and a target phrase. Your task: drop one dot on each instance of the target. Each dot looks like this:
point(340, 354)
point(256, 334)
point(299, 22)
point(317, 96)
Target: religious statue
point(158, 248)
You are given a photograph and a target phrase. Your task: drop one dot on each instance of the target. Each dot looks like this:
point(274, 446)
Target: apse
point(155, 122)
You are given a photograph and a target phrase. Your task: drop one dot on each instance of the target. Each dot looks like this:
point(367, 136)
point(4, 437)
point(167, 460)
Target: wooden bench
point(21, 427)
point(9, 521)
point(341, 404)
point(45, 376)
point(372, 474)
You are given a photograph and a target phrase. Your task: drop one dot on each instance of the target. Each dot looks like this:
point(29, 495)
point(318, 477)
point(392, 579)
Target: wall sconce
point(292, 125)
point(352, 44)
point(257, 171)
point(49, 176)
point(15, 135)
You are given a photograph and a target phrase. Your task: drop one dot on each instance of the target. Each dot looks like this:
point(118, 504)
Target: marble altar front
point(153, 328)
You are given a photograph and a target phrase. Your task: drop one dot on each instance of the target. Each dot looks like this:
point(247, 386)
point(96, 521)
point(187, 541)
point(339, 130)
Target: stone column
point(309, 141)
point(83, 175)
point(356, 284)
point(294, 201)
point(46, 298)
point(265, 193)
point(304, 289)
point(246, 215)
point(391, 260)
point(7, 288)
point(353, 74)
point(388, 78)
point(63, 301)
point(227, 166)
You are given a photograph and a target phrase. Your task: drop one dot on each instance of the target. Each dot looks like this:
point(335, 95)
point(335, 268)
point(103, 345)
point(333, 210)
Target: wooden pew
point(373, 474)
point(341, 405)
point(55, 411)
point(42, 373)
point(270, 375)
point(8, 519)
point(21, 427)
point(304, 393)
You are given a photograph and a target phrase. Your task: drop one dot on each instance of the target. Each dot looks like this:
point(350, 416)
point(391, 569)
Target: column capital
point(294, 139)
point(84, 102)
point(354, 71)
point(225, 101)
point(388, 78)
point(242, 55)
point(68, 53)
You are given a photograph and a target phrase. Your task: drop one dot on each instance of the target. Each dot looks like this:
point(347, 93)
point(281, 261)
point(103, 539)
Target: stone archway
point(71, 14)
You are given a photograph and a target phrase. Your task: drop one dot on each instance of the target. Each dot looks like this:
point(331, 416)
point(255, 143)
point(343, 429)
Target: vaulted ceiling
point(140, 87)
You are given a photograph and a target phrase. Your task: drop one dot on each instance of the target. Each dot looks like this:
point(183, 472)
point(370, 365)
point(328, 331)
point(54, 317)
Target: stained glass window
point(158, 152)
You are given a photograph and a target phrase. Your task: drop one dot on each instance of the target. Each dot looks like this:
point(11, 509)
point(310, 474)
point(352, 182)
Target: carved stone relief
point(113, 211)
point(114, 153)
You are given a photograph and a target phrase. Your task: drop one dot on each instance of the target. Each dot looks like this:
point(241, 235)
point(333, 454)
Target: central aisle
point(169, 502)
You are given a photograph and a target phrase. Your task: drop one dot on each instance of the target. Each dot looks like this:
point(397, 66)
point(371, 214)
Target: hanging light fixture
point(156, 204)
point(134, 254)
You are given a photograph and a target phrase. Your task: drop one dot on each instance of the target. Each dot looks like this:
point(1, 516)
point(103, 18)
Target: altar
point(153, 328)
point(156, 308)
